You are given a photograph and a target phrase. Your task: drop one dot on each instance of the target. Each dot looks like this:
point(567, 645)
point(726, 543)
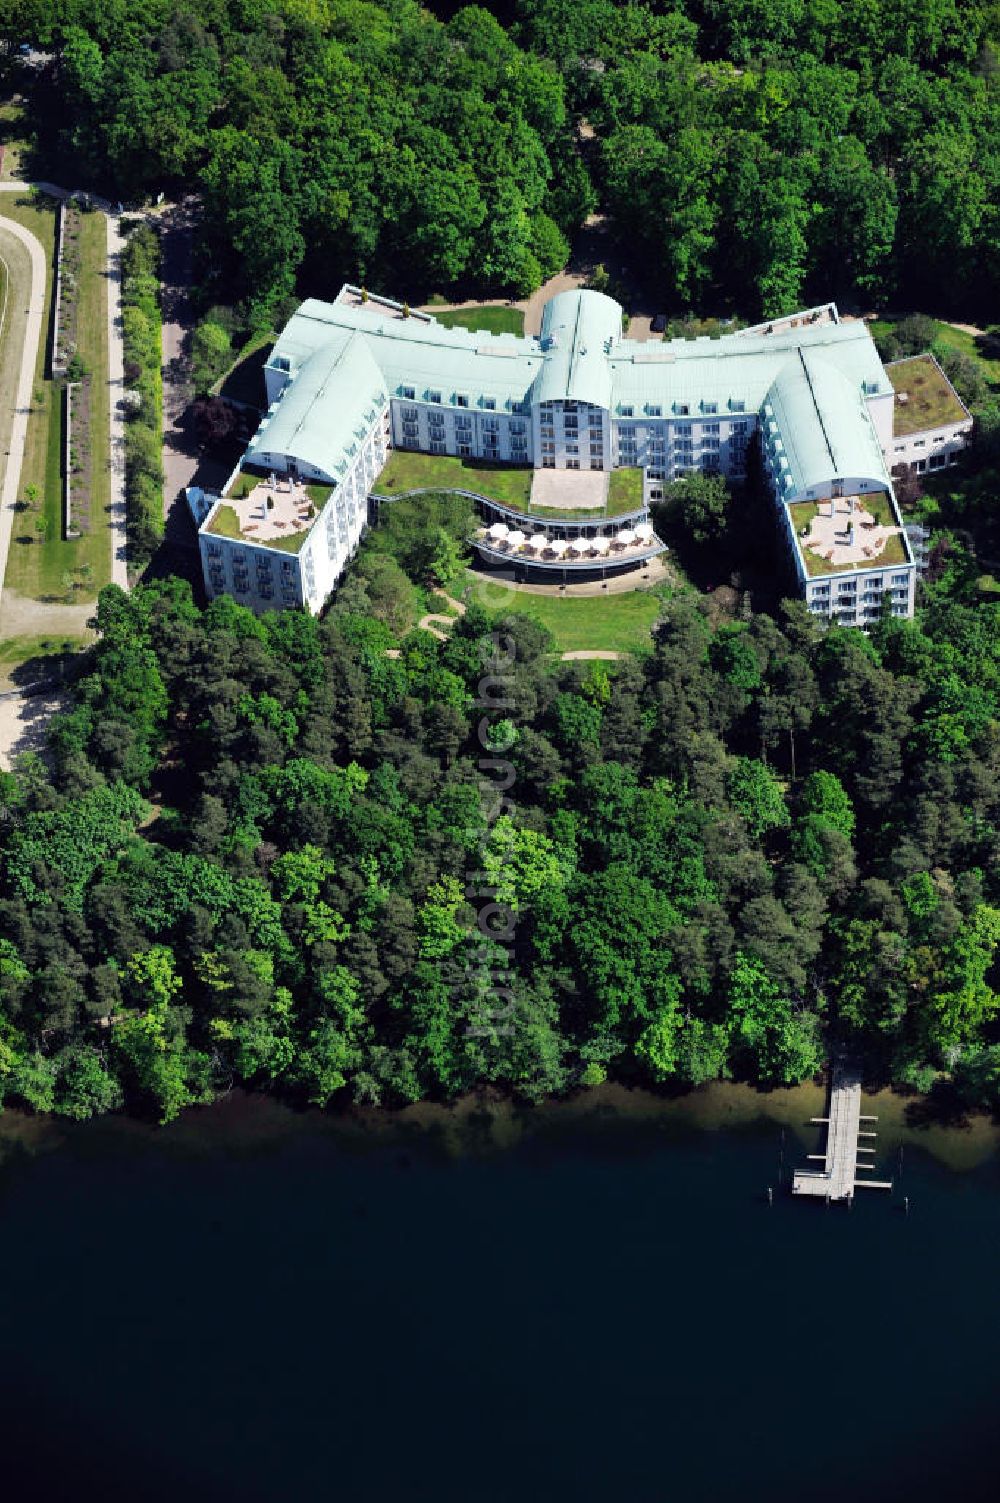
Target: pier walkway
point(838, 1178)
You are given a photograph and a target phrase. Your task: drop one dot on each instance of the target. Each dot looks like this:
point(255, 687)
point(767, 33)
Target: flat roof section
point(850, 532)
point(276, 515)
point(925, 398)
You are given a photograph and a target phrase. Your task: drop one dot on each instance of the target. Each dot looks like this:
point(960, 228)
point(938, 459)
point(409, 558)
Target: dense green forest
point(347, 861)
point(747, 156)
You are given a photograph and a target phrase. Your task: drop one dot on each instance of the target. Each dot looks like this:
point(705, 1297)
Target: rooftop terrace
point(277, 513)
point(850, 532)
point(925, 398)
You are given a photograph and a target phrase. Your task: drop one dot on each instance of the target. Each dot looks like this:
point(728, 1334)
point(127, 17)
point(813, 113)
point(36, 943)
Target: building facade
point(348, 380)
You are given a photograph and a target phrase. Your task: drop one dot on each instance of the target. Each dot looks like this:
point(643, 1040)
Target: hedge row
point(141, 321)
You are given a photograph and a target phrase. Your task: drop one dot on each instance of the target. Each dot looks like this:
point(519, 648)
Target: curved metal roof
point(327, 408)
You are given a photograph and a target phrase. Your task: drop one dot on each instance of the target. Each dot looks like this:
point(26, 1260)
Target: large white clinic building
point(349, 380)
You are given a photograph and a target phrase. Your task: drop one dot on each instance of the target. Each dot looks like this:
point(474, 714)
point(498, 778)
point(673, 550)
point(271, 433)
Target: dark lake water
point(573, 1306)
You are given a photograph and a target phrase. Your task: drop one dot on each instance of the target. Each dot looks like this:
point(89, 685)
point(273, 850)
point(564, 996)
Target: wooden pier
point(838, 1179)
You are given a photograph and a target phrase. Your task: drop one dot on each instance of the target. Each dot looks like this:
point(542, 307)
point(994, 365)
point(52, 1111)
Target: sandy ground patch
point(23, 617)
point(571, 489)
point(24, 720)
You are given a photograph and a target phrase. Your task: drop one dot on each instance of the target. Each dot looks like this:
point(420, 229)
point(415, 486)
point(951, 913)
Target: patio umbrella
point(601, 544)
point(557, 546)
point(580, 545)
point(626, 537)
point(515, 538)
point(499, 530)
point(644, 530)
point(537, 541)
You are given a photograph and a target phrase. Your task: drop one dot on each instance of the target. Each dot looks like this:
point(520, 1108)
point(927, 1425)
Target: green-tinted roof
point(579, 330)
point(823, 426)
point(815, 376)
point(327, 410)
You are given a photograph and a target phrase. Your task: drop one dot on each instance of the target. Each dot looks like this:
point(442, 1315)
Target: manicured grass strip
point(58, 568)
point(591, 623)
point(489, 320)
point(624, 491)
point(508, 484)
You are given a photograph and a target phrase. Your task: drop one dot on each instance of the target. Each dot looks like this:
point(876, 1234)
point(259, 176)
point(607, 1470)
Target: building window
point(465, 450)
point(409, 392)
point(597, 464)
point(739, 428)
point(463, 424)
point(410, 430)
point(709, 406)
point(596, 449)
point(461, 400)
point(548, 462)
point(682, 430)
point(627, 411)
point(517, 427)
point(433, 396)
point(572, 448)
point(572, 464)
point(491, 425)
point(409, 414)
point(437, 447)
point(711, 428)
point(654, 410)
point(737, 405)
point(682, 409)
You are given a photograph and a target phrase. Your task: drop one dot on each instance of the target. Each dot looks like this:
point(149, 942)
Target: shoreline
point(480, 1124)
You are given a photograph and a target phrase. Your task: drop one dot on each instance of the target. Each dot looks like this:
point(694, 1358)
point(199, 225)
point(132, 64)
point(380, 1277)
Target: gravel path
point(25, 380)
point(589, 654)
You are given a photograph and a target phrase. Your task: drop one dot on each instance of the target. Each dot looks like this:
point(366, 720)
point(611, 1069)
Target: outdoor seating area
point(277, 507)
point(842, 533)
point(627, 544)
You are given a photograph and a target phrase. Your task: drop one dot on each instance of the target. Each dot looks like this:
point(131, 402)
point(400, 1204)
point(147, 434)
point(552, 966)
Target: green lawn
point(930, 400)
point(508, 484)
point(490, 320)
point(48, 655)
point(624, 491)
point(34, 568)
point(593, 623)
point(13, 138)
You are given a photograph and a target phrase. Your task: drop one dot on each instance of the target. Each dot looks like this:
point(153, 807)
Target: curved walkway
point(115, 375)
point(25, 380)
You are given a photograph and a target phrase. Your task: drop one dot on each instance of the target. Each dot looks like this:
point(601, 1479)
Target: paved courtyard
point(571, 489)
point(274, 511)
point(843, 532)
